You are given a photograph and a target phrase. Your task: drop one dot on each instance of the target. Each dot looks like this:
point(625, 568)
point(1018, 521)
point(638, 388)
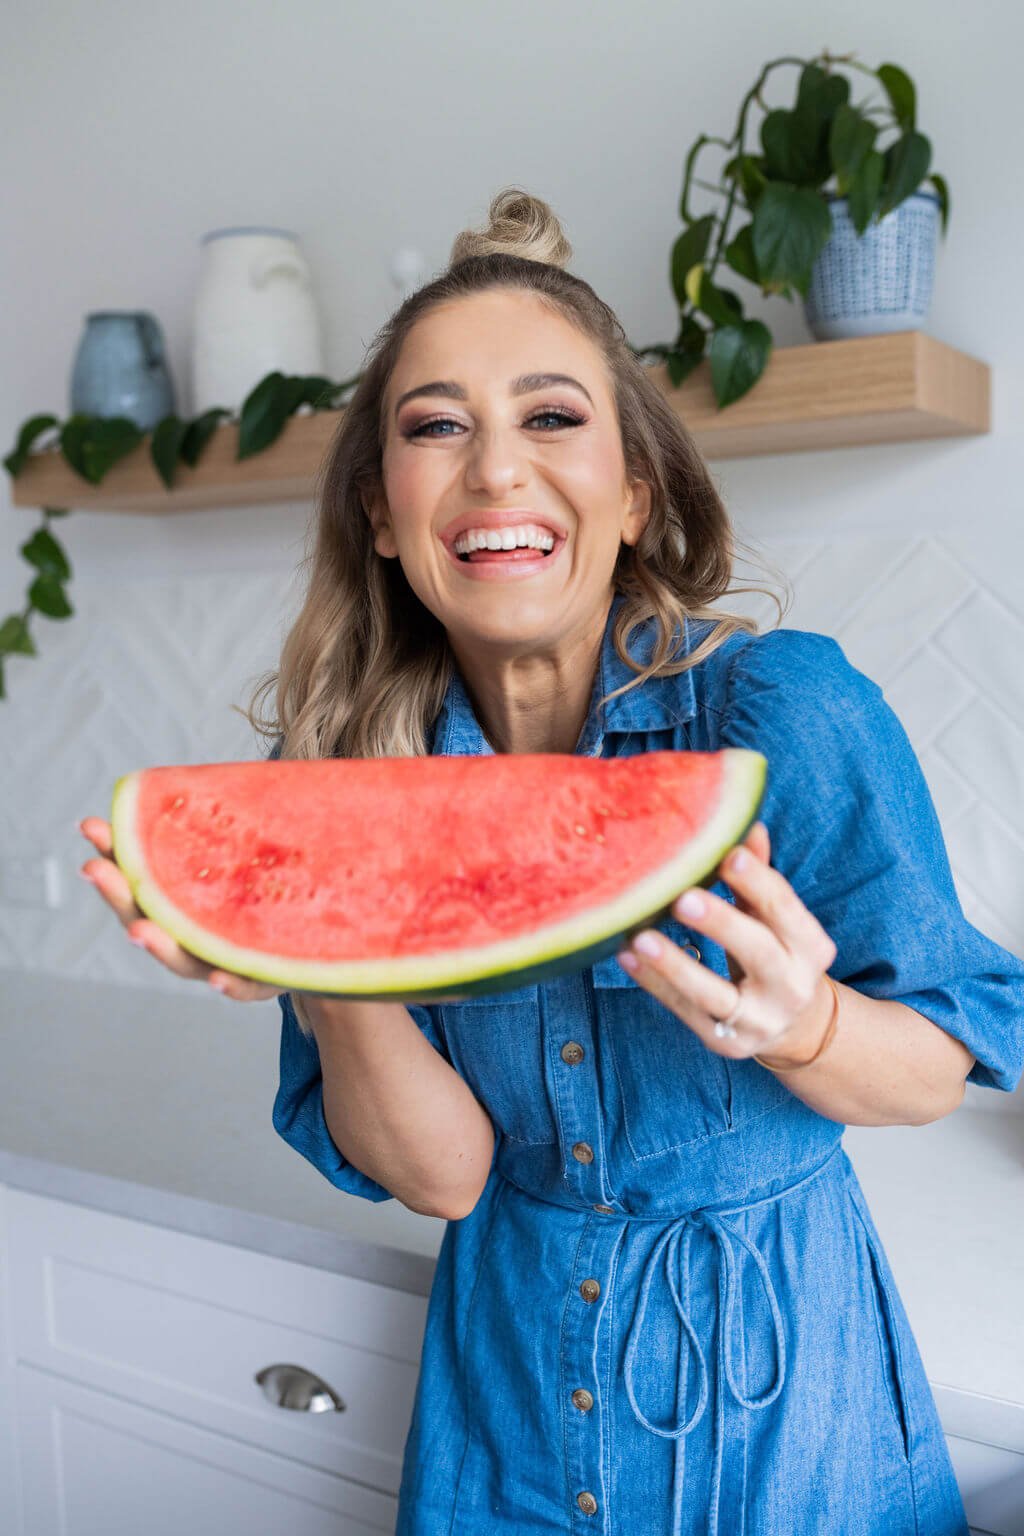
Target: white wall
point(128, 131)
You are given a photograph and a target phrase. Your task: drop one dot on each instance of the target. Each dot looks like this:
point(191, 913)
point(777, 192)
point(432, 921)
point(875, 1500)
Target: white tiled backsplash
point(146, 673)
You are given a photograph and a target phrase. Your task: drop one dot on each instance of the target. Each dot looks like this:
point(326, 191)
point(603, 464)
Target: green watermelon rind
point(567, 946)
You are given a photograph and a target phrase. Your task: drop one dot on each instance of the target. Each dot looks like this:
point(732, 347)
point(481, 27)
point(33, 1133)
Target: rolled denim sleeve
point(854, 830)
point(298, 1113)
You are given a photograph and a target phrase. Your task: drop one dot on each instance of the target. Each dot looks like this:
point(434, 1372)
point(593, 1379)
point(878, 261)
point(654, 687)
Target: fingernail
point(692, 904)
point(740, 859)
point(218, 984)
point(135, 938)
point(647, 944)
point(628, 962)
point(86, 876)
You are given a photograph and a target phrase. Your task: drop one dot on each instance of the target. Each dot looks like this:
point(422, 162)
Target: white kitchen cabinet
point(99, 1465)
point(136, 1350)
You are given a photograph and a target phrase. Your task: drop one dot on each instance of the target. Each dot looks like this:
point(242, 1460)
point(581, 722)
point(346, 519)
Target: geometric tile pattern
point(148, 672)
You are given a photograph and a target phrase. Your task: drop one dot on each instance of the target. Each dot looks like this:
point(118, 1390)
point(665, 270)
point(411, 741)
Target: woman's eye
point(563, 418)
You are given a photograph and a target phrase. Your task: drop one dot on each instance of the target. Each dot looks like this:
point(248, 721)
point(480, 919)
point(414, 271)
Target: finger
point(772, 904)
point(692, 991)
point(743, 935)
point(113, 887)
point(99, 834)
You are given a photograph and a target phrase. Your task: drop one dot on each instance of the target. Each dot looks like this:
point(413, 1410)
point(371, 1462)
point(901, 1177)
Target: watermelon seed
point(598, 837)
point(180, 801)
point(202, 874)
point(582, 831)
point(254, 861)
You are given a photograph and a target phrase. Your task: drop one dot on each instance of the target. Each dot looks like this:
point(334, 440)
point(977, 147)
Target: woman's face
point(477, 449)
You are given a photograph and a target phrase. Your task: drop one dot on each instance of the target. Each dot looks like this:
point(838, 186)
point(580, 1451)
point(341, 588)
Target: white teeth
point(529, 536)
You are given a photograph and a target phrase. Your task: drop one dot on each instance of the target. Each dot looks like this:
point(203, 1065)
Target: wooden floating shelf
point(830, 394)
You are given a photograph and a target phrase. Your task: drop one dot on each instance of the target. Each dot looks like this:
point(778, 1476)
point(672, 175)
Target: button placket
point(577, 1107)
point(584, 1370)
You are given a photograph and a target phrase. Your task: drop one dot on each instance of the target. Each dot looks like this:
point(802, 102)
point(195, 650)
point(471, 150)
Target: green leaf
point(43, 551)
point(850, 138)
point(680, 365)
point(264, 413)
point(165, 446)
point(739, 253)
point(48, 596)
point(739, 354)
point(865, 189)
point(57, 511)
point(721, 305)
point(198, 433)
point(900, 90)
point(820, 93)
point(791, 225)
point(33, 428)
point(316, 391)
point(796, 147)
point(91, 444)
point(72, 440)
point(906, 165)
point(939, 183)
point(748, 171)
point(689, 249)
point(15, 638)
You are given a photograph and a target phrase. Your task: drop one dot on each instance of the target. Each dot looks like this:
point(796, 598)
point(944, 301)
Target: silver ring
point(724, 1027)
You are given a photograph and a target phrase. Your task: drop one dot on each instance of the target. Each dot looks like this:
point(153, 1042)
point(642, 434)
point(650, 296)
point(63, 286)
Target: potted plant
point(811, 200)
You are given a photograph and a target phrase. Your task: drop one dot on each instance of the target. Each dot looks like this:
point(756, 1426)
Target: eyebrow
point(525, 384)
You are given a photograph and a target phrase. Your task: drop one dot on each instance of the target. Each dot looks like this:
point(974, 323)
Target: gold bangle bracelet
point(826, 1040)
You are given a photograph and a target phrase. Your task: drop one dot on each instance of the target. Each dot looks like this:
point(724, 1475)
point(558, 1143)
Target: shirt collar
point(659, 704)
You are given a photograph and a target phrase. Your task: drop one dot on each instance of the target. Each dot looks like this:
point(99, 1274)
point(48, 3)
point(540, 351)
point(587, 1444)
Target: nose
point(496, 463)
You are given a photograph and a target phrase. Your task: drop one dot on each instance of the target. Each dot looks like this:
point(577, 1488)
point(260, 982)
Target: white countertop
point(157, 1106)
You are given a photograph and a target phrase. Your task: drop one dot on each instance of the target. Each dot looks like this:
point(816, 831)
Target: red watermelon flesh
point(413, 877)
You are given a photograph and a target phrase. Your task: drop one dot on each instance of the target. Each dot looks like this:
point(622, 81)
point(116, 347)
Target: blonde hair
point(365, 667)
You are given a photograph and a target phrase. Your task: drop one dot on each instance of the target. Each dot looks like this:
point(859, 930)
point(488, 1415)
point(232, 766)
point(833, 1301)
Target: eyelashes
point(564, 417)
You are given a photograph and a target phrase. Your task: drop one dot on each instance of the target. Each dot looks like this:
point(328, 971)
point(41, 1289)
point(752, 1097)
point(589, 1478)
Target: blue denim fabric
point(751, 1365)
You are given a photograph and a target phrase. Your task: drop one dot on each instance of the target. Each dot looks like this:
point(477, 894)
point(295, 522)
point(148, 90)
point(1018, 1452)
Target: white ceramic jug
point(254, 312)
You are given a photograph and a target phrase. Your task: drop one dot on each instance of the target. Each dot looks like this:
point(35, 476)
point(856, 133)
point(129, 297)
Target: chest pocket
point(496, 1043)
point(675, 1091)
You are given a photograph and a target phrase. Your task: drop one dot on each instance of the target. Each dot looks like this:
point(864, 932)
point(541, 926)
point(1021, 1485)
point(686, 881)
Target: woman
point(661, 1304)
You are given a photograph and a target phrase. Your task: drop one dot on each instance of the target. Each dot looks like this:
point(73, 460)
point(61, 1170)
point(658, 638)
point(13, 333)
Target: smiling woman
point(661, 1301)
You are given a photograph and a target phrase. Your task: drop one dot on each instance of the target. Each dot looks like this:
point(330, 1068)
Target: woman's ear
point(637, 513)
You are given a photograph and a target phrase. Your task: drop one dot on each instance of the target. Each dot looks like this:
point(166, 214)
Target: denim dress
point(670, 1312)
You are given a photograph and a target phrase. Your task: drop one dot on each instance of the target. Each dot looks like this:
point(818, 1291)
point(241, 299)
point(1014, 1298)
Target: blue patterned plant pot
point(878, 281)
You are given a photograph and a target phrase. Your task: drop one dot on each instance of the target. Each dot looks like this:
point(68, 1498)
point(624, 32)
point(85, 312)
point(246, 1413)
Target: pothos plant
point(91, 444)
point(778, 189)
point(870, 151)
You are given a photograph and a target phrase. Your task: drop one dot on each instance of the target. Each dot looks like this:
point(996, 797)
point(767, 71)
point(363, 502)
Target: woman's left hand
point(774, 945)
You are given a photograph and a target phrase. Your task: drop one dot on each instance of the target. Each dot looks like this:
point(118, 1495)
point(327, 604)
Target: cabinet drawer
point(101, 1466)
point(991, 1482)
point(184, 1323)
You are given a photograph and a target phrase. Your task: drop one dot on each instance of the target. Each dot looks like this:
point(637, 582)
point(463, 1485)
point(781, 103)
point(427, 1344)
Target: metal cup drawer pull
point(292, 1386)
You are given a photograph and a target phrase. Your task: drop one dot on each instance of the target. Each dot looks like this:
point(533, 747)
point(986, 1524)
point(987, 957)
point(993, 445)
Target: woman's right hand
point(110, 881)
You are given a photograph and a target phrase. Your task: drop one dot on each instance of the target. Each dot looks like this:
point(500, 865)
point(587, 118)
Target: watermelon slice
point(425, 877)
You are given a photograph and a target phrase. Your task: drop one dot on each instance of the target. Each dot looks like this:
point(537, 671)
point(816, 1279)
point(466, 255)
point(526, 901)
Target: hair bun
point(519, 224)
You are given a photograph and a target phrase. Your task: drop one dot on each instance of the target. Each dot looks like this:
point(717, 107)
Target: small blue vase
point(120, 368)
point(878, 281)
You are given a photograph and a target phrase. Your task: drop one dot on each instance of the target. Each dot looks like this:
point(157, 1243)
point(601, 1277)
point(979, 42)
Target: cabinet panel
point(992, 1484)
point(184, 1323)
point(95, 1465)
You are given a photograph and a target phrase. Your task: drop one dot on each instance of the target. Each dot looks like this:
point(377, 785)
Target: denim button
point(587, 1503)
point(608, 1209)
point(572, 1052)
point(583, 1152)
point(590, 1290)
point(582, 1400)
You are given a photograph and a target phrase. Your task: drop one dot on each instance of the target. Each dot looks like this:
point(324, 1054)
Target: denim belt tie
point(682, 1229)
